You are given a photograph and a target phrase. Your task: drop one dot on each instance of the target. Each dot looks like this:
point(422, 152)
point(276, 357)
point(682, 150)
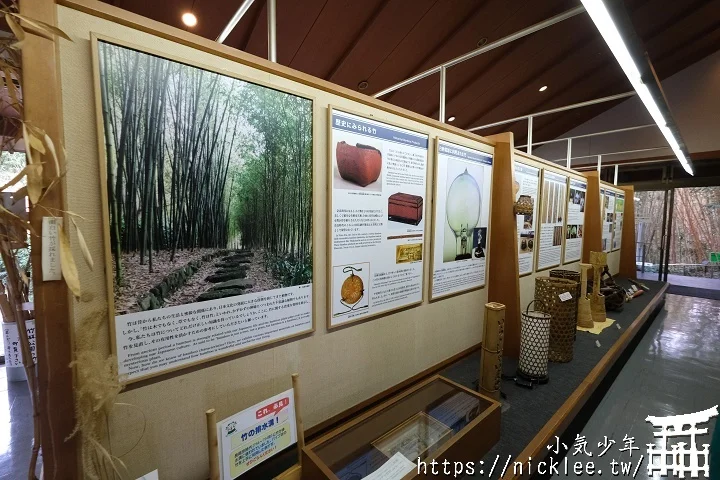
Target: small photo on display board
point(552, 215)
point(526, 184)
point(461, 218)
point(209, 210)
point(608, 202)
point(378, 176)
point(618, 227)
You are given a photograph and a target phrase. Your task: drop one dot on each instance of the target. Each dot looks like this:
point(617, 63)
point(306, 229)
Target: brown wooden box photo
point(405, 208)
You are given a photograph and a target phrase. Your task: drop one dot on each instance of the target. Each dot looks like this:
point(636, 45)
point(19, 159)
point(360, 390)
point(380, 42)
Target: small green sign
point(714, 257)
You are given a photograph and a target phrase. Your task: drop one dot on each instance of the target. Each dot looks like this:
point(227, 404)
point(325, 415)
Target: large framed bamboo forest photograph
point(207, 180)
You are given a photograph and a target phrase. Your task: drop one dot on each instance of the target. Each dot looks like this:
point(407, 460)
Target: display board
point(575, 220)
point(608, 214)
point(378, 177)
point(527, 183)
point(463, 178)
point(207, 186)
point(619, 211)
point(250, 437)
point(553, 200)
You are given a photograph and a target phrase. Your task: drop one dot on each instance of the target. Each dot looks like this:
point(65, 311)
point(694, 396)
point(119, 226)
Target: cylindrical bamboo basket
point(563, 320)
point(534, 344)
point(492, 347)
point(569, 275)
point(584, 318)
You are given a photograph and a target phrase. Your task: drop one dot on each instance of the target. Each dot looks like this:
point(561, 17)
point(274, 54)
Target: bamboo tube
point(212, 444)
point(584, 313)
point(597, 301)
point(492, 346)
point(298, 416)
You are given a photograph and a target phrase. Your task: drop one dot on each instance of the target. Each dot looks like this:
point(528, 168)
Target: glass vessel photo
point(462, 210)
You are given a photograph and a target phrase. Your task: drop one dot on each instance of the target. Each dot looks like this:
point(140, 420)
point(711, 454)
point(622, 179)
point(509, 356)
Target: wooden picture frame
point(102, 158)
point(329, 270)
point(434, 222)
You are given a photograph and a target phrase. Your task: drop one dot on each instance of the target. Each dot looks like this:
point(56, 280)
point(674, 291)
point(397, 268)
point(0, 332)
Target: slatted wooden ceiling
point(385, 41)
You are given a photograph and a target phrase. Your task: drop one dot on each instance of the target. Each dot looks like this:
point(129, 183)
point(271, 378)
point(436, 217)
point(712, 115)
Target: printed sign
point(256, 434)
point(552, 215)
point(11, 340)
point(575, 220)
point(619, 213)
point(378, 179)
point(462, 215)
point(527, 184)
point(608, 211)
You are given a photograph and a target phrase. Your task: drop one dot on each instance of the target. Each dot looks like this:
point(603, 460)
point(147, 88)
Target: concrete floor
point(683, 281)
point(16, 431)
point(674, 370)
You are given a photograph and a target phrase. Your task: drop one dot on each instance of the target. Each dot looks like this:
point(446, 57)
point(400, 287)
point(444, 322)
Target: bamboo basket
point(563, 323)
point(575, 277)
point(584, 318)
point(534, 344)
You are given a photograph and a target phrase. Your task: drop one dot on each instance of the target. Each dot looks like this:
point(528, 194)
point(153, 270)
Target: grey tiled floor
point(15, 428)
point(674, 370)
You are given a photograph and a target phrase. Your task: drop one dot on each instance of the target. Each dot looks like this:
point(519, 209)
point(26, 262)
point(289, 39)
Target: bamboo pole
point(492, 348)
point(298, 416)
point(212, 444)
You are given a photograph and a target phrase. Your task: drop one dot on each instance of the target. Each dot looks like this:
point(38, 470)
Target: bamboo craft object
point(212, 441)
point(492, 350)
point(597, 301)
point(584, 318)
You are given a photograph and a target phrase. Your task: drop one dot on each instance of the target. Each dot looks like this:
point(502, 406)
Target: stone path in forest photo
point(230, 276)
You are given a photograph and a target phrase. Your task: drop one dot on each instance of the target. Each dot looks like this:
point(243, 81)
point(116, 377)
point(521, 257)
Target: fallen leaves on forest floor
point(138, 280)
point(262, 280)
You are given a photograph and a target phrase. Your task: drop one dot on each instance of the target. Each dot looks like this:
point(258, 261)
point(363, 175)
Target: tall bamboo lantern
point(584, 313)
point(597, 301)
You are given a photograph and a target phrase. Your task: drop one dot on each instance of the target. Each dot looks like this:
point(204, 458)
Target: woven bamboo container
point(584, 318)
point(563, 315)
point(492, 347)
point(569, 275)
point(597, 301)
point(534, 345)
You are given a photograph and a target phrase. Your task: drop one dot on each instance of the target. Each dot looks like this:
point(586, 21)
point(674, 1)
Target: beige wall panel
point(337, 370)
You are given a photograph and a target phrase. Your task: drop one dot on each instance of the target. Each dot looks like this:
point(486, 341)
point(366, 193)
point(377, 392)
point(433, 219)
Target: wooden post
point(503, 266)
point(212, 442)
point(492, 350)
point(298, 416)
point(42, 106)
point(628, 266)
point(592, 237)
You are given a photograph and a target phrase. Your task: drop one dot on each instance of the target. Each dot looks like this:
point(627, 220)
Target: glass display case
point(434, 420)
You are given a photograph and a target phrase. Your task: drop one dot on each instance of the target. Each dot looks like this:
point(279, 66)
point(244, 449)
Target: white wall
point(694, 98)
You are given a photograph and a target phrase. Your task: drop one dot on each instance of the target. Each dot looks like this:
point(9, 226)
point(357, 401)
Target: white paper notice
point(51, 249)
point(619, 213)
point(11, 340)
point(575, 221)
point(394, 469)
point(250, 437)
point(565, 296)
point(378, 182)
point(608, 211)
point(462, 215)
point(552, 215)
point(527, 183)
point(150, 476)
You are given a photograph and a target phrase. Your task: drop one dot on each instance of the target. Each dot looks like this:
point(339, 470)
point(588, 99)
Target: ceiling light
point(543, 88)
point(451, 119)
point(363, 85)
point(189, 19)
point(604, 23)
point(482, 42)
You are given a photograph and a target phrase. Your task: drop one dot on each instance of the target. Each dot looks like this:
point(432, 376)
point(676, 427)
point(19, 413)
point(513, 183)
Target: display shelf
point(437, 419)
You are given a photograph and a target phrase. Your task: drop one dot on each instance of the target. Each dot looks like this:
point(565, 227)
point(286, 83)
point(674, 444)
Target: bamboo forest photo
point(209, 182)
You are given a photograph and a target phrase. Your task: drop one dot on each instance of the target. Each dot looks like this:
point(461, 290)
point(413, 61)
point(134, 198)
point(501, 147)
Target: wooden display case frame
point(467, 445)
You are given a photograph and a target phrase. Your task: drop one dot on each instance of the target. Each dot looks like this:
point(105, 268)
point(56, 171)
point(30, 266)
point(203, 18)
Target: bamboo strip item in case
point(597, 301)
point(584, 319)
point(212, 441)
point(492, 348)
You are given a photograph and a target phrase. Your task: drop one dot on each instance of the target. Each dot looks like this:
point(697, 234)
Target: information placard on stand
point(527, 183)
point(575, 220)
point(378, 177)
point(608, 213)
point(552, 214)
point(619, 213)
point(463, 179)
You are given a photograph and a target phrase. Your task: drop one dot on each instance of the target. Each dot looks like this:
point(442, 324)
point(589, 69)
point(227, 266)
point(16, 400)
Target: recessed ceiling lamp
point(363, 85)
point(543, 88)
point(450, 119)
point(482, 42)
point(189, 19)
point(605, 24)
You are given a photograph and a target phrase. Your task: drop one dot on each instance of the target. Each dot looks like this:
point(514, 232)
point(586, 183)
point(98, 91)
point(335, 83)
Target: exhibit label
point(608, 211)
point(378, 180)
point(157, 340)
point(11, 341)
point(575, 221)
point(462, 213)
point(250, 437)
point(527, 183)
point(552, 215)
point(619, 212)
